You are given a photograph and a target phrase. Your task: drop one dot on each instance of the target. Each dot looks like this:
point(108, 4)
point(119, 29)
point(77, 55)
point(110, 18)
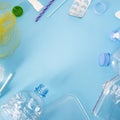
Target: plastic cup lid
point(100, 8)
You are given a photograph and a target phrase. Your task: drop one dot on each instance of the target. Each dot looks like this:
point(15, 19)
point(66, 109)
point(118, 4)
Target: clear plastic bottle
point(113, 60)
point(107, 106)
point(25, 105)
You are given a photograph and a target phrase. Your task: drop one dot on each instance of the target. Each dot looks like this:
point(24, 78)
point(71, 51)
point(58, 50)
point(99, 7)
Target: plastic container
point(68, 107)
point(115, 35)
point(113, 60)
point(25, 105)
point(100, 7)
point(108, 104)
point(9, 33)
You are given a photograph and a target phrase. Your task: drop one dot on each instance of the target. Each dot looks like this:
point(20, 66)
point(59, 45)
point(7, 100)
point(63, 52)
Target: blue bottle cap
point(41, 90)
point(104, 59)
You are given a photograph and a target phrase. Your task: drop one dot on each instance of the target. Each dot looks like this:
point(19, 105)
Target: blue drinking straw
point(44, 10)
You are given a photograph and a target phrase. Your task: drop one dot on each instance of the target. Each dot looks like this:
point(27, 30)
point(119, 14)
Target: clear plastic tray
point(108, 104)
point(66, 108)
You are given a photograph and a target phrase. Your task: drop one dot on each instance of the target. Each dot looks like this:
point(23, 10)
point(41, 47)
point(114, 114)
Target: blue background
point(62, 52)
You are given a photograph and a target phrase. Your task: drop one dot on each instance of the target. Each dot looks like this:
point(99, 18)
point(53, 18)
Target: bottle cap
point(41, 90)
point(115, 36)
point(100, 8)
point(104, 59)
point(17, 11)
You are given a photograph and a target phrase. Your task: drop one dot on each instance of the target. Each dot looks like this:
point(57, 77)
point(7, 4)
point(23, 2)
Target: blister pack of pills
point(79, 8)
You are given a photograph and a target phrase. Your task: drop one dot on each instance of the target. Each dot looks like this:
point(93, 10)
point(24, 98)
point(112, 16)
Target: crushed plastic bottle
point(113, 60)
point(25, 105)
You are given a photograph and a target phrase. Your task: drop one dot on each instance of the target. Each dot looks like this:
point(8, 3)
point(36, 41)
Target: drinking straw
point(56, 9)
point(5, 83)
point(44, 10)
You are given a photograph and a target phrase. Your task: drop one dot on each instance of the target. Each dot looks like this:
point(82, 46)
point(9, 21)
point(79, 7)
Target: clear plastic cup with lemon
point(9, 33)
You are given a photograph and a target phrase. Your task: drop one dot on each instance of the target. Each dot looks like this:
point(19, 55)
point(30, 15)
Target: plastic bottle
point(107, 106)
point(115, 35)
point(25, 105)
point(113, 60)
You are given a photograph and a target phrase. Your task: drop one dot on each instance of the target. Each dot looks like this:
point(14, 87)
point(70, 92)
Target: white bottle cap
point(116, 35)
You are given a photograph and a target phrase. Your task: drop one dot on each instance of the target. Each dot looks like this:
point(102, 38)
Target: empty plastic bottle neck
point(104, 59)
point(41, 90)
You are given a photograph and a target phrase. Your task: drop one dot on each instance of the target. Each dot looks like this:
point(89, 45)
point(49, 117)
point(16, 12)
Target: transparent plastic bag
point(108, 104)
